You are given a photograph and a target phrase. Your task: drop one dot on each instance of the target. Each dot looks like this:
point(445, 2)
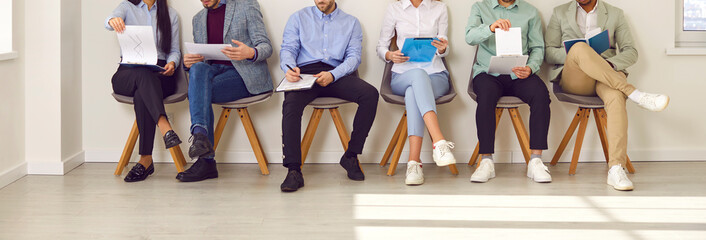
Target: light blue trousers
point(420, 91)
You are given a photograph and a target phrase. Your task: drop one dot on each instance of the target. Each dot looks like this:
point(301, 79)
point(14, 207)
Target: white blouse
point(430, 19)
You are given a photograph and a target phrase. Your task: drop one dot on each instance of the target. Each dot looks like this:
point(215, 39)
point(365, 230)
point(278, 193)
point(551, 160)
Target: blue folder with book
point(419, 49)
point(599, 42)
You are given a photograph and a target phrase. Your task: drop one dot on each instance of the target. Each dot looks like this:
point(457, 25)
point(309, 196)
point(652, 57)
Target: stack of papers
point(138, 47)
point(307, 82)
point(508, 48)
point(208, 51)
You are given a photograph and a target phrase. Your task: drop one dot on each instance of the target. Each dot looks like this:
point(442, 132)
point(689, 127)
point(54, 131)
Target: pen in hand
point(290, 68)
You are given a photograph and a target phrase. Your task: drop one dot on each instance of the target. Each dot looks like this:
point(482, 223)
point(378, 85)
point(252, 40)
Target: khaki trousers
point(587, 73)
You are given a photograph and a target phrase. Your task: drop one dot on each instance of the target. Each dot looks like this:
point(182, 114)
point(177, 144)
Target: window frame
point(688, 39)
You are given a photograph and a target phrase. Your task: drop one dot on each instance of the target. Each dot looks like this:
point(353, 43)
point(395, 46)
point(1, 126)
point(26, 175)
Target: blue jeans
point(208, 84)
point(420, 90)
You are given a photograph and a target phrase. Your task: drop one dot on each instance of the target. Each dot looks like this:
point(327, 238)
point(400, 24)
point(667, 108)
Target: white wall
point(12, 107)
point(675, 134)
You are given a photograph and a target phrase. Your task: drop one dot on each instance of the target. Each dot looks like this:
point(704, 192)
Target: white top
point(430, 19)
point(587, 21)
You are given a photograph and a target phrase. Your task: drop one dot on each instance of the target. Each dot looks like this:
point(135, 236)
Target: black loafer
point(139, 173)
point(201, 170)
point(293, 182)
point(352, 166)
point(200, 146)
point(171, 139)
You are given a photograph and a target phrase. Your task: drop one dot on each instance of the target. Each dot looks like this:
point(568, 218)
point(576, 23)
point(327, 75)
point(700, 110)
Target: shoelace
point(649, 100)
point(444, 148)
point(482, 167)
point(621, 174)
point(413, 170)
point(543, 166)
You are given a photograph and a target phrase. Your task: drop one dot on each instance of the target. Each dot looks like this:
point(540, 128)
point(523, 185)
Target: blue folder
point(600, 43)
point(419, 49)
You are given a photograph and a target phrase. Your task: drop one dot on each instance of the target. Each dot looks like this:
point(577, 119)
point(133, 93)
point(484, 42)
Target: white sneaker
point(538, 172)
point(618, 179)
point(653, 102)
point(484, 172)
point(442, 153)
point(415, 176)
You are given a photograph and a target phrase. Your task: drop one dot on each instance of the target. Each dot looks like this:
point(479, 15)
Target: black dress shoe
point(293, 181)
point(201, 170)
point(171, 139)
point(139, 173)
point(200, 146)
point(352, 166)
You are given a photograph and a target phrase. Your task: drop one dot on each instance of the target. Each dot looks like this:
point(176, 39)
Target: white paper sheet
point(306, 82)
point(137, 45)
point(208, 51)
point(504, 64)
point(508, 42)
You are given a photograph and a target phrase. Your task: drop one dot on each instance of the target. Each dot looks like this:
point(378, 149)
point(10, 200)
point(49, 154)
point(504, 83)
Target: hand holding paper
point(509, 59)
point(138, 48)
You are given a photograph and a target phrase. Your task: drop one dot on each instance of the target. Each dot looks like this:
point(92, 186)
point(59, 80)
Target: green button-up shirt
point(521, 14)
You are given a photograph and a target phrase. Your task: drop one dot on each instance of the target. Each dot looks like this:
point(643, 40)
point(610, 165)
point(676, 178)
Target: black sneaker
point(293, 182)
point(201, 170)
point(352, 166)
point(171, 139)
point(200, 146)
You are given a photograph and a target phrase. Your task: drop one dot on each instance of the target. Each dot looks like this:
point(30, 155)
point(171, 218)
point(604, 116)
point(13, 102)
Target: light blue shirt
point(141, 15)
point(335, 39)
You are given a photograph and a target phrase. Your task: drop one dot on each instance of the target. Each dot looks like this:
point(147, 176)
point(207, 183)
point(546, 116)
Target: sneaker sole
point(621, 188)
point(414, 183)
point(538, 180)
point(477, 180)
point(445, 163)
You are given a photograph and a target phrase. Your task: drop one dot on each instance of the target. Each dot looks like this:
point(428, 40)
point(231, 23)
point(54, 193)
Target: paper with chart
point(138, 47)
point(307, 82)
point(508, 48)
point(208, 51)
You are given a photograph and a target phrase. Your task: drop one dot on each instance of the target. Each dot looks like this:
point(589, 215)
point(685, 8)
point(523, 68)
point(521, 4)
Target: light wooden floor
point(90, 203)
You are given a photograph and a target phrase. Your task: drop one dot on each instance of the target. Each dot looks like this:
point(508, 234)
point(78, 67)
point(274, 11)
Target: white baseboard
point(461, 156)
point(13, 174)
point(56, 168)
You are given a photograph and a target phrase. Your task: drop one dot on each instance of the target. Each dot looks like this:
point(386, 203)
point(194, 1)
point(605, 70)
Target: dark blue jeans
point(208, 84)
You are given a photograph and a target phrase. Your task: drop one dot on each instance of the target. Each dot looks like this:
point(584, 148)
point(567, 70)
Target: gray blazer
point(243, 22)
point(563, 26)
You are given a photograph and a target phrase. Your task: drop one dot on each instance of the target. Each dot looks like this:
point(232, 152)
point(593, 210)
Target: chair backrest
point(386, 83)
point(470, 81)
point(182, 88)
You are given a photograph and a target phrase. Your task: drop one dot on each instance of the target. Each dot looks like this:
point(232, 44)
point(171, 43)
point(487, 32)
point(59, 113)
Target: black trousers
point(531, 90)
point(350, 88)
point(148, 89)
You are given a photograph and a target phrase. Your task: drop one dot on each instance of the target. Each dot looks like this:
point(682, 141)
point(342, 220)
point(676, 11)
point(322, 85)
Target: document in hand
point(307, 82)
point(138, 47)
point(599, 41)
point(508, 48)
point(208, 51)
point(419, 49)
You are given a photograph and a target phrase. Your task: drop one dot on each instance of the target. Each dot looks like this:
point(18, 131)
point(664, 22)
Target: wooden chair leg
point(521, 132)
point(254, 140)
point(579, 140)
point(567, 137)
point(225, 113)
point(401, 139)
point(178, 158)
point(393, 141)
point(604, 120)
point(601, 132)
point(127, 151)
point(310, 132)
point(474, 156)
point(340, 127)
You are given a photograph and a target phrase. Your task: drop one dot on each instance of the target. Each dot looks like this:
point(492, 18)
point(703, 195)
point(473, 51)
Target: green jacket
point(563, 26)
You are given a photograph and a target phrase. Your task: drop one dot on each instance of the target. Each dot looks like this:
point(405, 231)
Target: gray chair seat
point(583, 101)
point(327, 102)
point(245, 102)
point(389, 97)
point(180, 94)
point(504, 102)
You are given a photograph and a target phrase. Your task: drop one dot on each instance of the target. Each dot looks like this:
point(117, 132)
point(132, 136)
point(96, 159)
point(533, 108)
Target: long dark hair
point(164, 25)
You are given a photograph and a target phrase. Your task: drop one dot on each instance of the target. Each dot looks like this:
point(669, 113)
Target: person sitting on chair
point(149, 88)
point(325, 41)
point(486, 18)
point(235, 22)
point(583, 71)
point(419, 82)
